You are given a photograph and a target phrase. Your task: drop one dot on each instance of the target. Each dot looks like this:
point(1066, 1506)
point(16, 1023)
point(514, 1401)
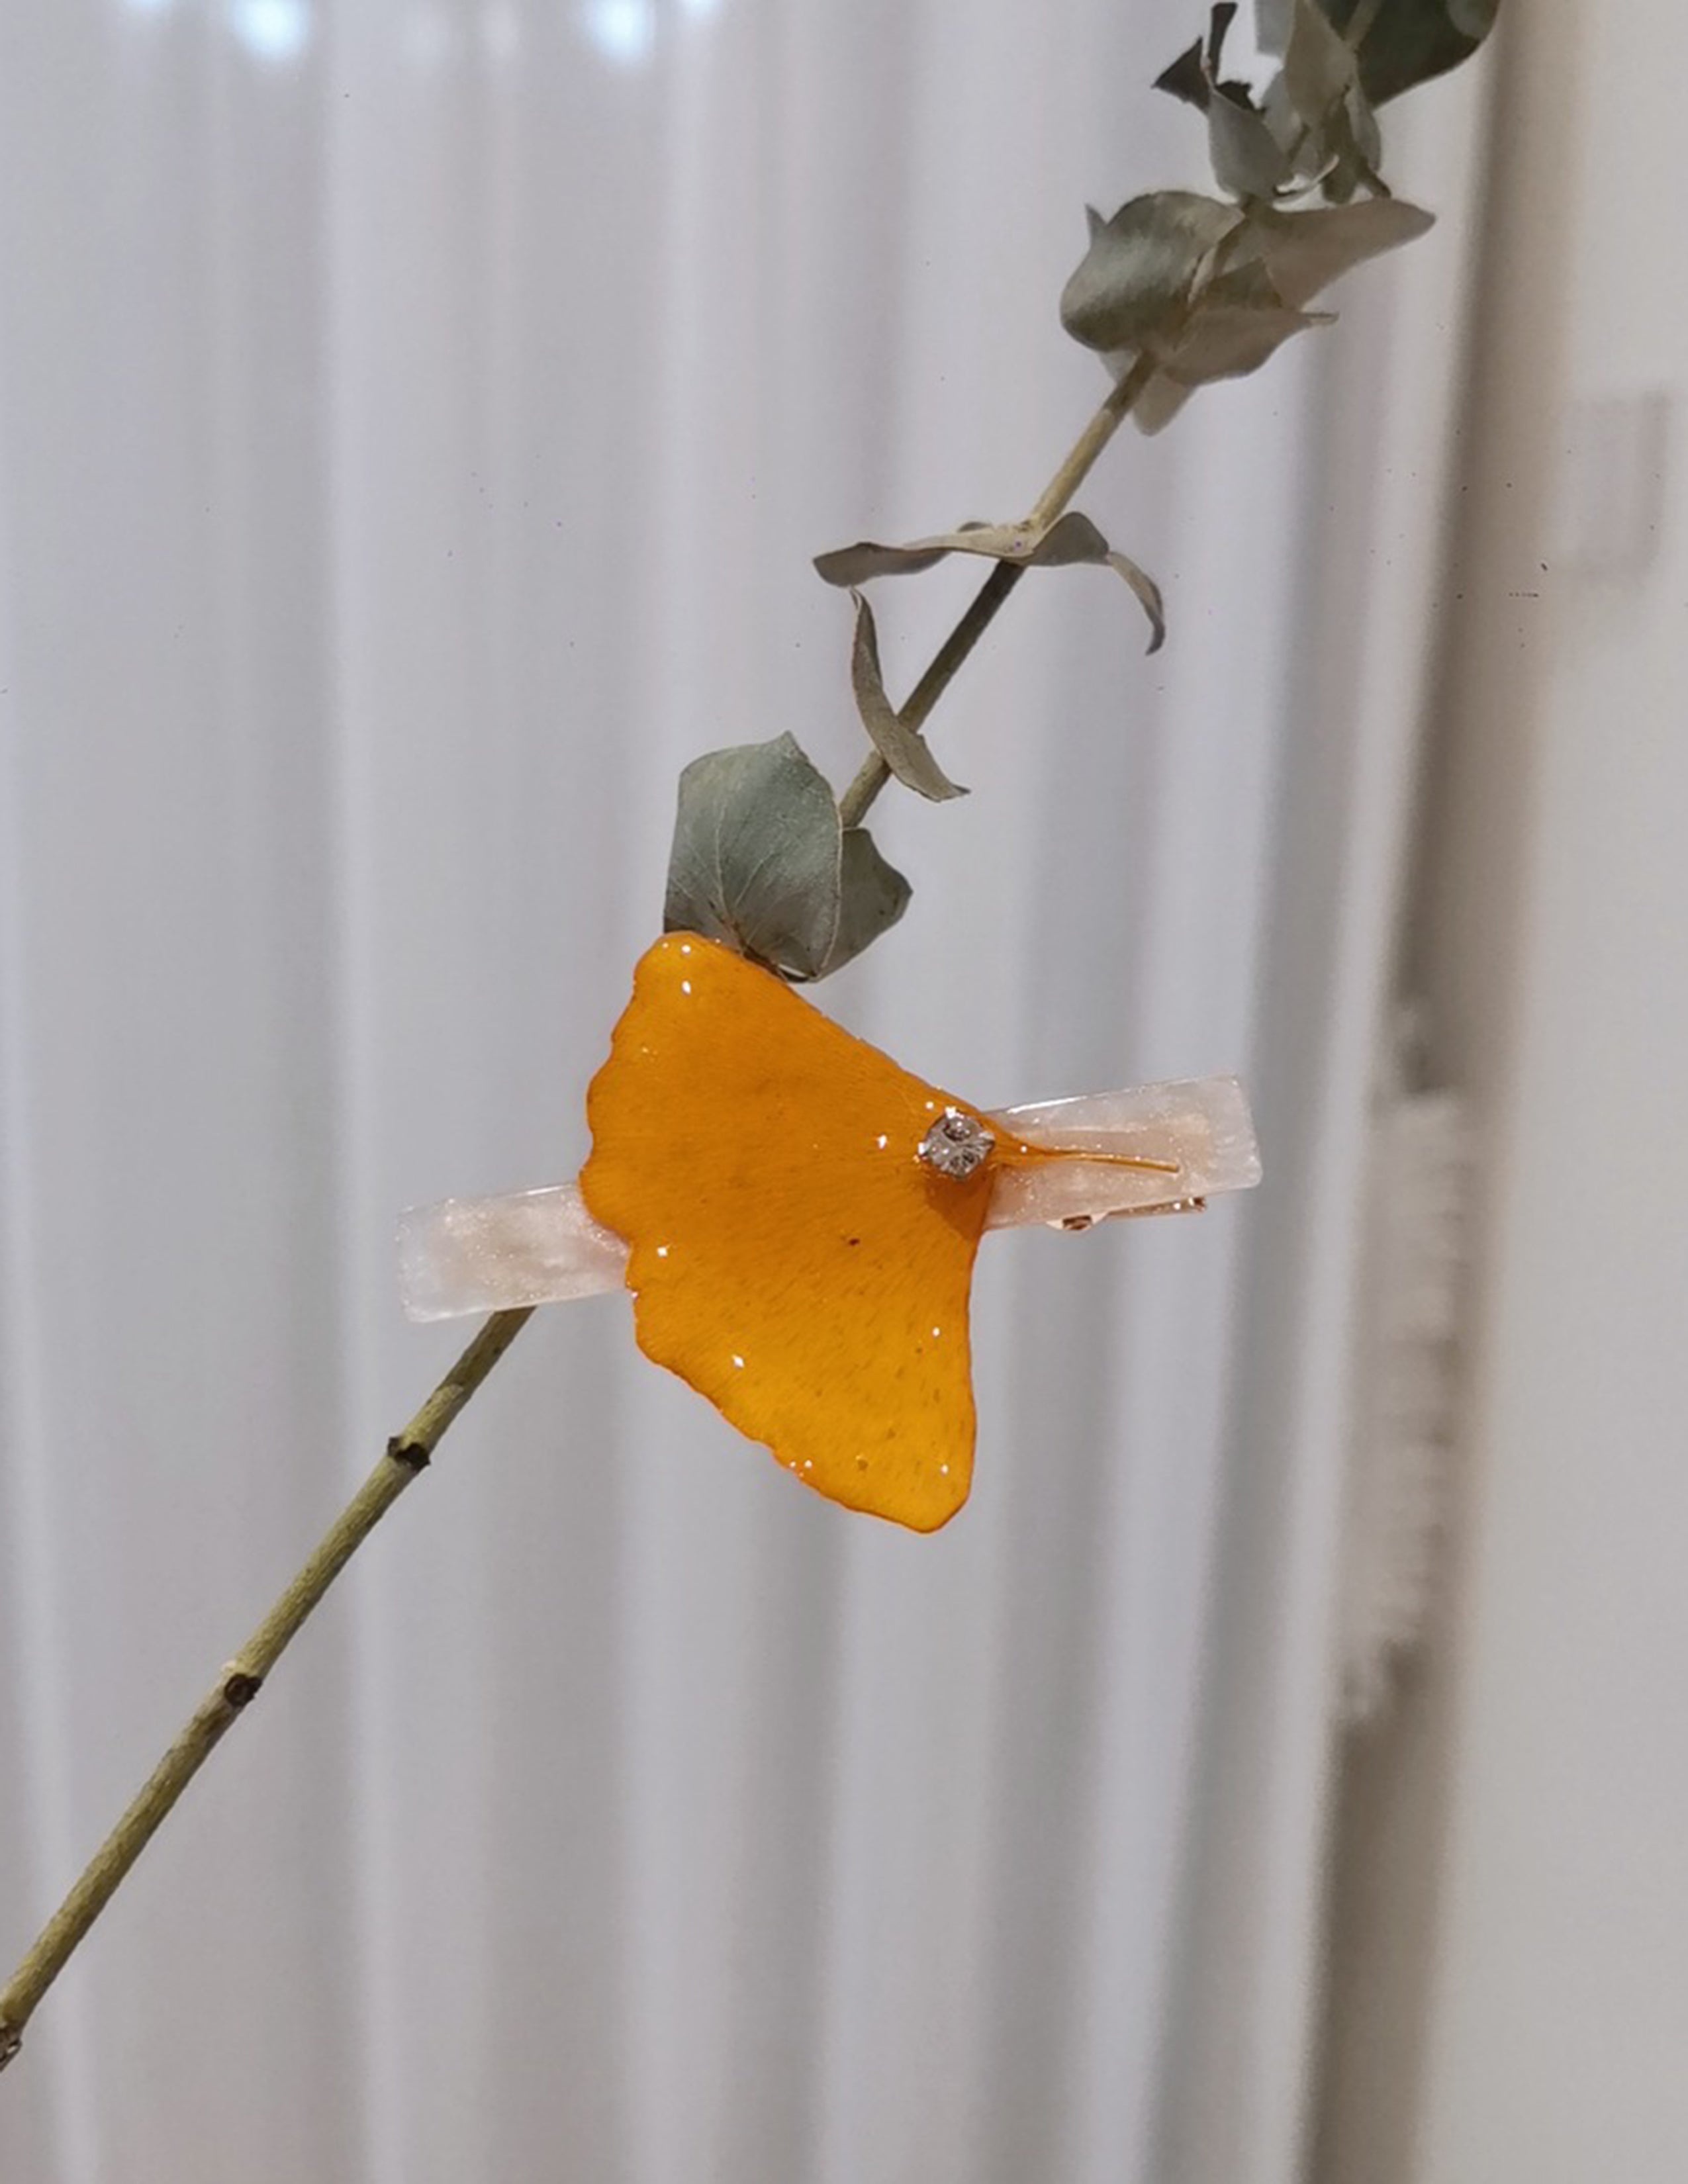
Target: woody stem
point(241, 1679)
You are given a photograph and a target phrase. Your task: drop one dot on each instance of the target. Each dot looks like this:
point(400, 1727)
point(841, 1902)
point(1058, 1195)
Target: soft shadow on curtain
point(415, 421)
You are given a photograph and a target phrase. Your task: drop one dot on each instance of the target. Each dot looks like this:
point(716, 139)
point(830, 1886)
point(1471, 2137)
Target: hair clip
point(797, 1219)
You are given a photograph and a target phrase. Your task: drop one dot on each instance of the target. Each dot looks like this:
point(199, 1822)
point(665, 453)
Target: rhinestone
point(956, 1145)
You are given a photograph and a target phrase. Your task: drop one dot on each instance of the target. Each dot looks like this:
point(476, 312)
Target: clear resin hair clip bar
point(796, 1218)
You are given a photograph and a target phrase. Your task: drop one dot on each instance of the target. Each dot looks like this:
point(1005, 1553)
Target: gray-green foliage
point(763, 862)
point(1312, 123)
point(1070, 540)
point(1210, 295)
point(1177, 290)
point(1410, 41)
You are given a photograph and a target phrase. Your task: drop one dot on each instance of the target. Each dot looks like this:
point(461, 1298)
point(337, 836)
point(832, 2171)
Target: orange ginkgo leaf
point(801, 1216)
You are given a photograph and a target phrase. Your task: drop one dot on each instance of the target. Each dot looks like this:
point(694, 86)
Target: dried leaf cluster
point(1175, 291)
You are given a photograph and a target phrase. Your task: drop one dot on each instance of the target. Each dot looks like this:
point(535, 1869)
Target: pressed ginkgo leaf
point(801, 1217)
point(789, 1254)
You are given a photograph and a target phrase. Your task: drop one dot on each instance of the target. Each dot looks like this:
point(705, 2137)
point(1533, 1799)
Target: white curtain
point(414, 422)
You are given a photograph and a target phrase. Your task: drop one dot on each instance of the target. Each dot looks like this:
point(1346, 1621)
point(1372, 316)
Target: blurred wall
point(1510, 1942)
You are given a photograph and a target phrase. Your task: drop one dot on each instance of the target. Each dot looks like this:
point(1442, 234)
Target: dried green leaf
point(1410, 41)
point(1317, 103)
point(1275, 267)
point(874, 895)
point(1241, 321)
point(1314, 110)
point(1070, 538)
point(904, 749)
point(1312, 121)
point(1246, 156)
point(757, 857)
point(1142, 267)
point(1148, 595)
point(847, 567)
point(1162, 399)
point(1320, 65)
point(1220, 18)
point(1303, 251)
point(1230, 341)
point(1186, 79)
point(1194, 76)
